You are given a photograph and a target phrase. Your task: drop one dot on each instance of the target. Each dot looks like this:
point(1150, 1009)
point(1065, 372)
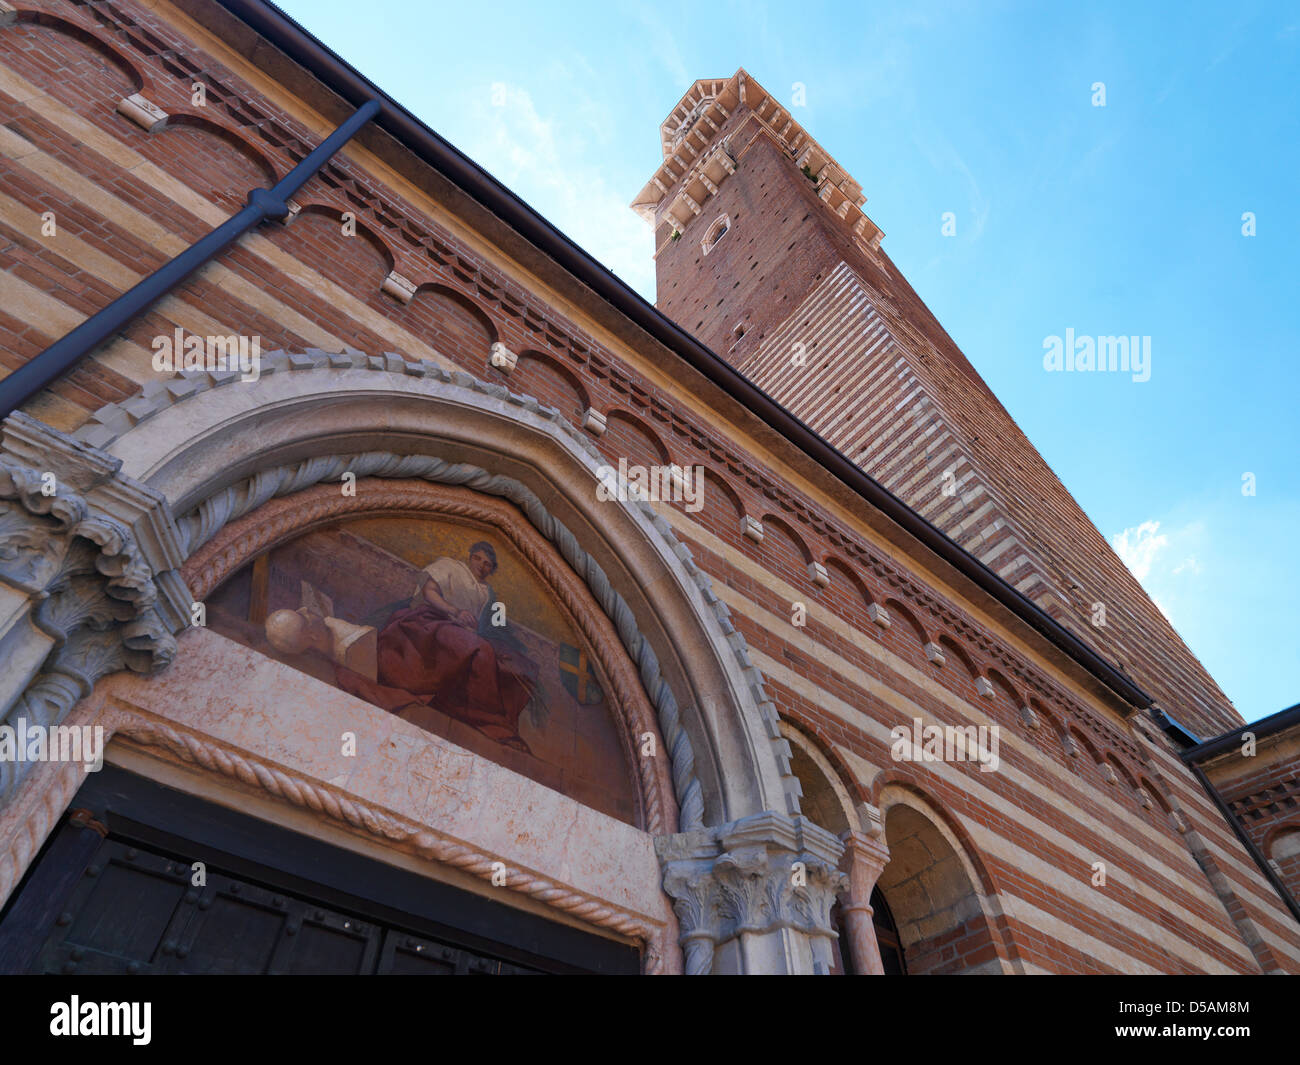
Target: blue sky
point(1117, 220)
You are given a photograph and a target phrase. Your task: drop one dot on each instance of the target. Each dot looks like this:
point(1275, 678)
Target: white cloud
point(550, 168)
point(1138, 547)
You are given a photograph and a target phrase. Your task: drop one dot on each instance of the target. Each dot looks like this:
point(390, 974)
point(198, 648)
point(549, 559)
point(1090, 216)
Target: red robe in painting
point(425, 658)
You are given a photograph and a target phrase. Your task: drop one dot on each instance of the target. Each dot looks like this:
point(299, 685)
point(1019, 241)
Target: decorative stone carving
point(593, 421)
point(879, 615)
point(818, 575)
point(935, 654)
point(502, 358)
point(752, 528)
point(1029, 717)
point(984, 686)
point(758, 877)
point(400, 288)
point(873, 821)
point(87, 576)
point(143, 112)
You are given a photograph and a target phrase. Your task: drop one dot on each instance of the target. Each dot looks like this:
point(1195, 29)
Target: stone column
point(864, 859)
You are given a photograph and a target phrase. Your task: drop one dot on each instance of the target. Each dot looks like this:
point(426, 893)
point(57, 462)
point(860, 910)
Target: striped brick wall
point(1181, 894)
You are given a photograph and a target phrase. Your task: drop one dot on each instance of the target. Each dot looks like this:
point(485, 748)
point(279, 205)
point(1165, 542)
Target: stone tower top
point(702, 139)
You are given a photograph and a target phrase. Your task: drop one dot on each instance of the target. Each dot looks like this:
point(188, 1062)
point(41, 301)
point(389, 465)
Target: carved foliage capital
point(69, 545)
point(758, 875)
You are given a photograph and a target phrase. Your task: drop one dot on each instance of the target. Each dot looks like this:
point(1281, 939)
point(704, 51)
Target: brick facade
point(888, 636)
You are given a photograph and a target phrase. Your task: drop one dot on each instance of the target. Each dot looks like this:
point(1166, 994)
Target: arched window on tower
point(716, 232)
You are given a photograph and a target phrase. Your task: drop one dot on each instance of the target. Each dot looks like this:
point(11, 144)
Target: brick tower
point(763, 252)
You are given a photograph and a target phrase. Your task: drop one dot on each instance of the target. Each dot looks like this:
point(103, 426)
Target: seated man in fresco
point(439, 651)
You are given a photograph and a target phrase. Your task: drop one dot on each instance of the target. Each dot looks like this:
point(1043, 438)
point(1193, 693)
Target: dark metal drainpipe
point(63, 355)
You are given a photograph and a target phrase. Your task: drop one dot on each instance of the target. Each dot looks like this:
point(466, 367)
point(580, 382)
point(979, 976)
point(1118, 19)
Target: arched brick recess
point(451, 322)
point(627, 436)
point(220, 166)
point(73, 65)
point(540, 375)
point(359, 262)
point(784, 552)
point(723, 508)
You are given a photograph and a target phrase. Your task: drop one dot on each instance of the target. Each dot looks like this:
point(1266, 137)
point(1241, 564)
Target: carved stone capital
point(756, 876)
point(87, 576)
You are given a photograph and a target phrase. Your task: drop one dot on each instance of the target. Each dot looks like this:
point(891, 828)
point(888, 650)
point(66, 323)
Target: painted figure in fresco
point(441, 651)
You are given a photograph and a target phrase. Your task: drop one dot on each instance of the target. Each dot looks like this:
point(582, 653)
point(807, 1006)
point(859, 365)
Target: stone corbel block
point(818, 575)
point(1028, 716)
point(593, 421)
point(1108, 773)
point(935, 654)
point(984, 687)
point(502, 358)
point(143, 112)
point(752, 528)
point(8, 13)
point(295, 209)
point(879, 615)
point(873, 821)
point(400, 288)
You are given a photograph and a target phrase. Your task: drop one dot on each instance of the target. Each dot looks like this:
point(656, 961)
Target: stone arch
point(315, 423)
point(936, 887)
point(825, 798)
point(1283, 841)
point(545, 377)
point(1282, 847)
